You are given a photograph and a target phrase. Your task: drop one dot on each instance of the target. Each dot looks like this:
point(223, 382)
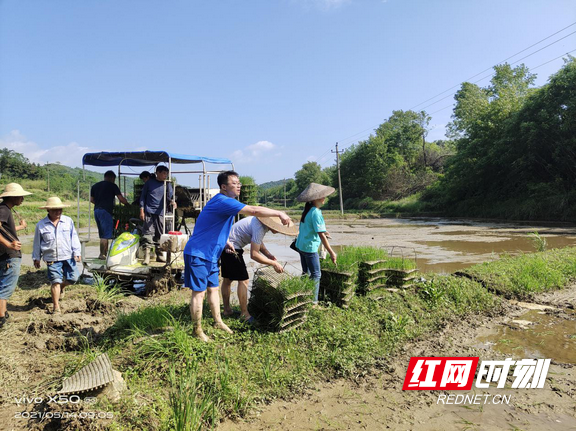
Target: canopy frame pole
point(204, 200)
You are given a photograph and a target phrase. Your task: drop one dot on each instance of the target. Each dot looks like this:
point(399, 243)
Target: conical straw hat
point(54, 203)
point(14, 189)
point(315, 191)
point(275, 223)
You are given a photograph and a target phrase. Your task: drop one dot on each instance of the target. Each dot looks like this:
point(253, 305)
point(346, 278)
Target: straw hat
point(315, 191)
point(54, 203)
point(275, 223)
point(14, 189)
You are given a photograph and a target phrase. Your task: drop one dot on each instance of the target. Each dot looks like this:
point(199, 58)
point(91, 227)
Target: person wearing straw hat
point(10, 245)
point(249, 230)
point(56, 241)
point(313, 232)
point(208, 240)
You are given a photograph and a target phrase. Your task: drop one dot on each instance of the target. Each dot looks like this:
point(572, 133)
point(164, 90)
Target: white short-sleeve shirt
point(246, 231)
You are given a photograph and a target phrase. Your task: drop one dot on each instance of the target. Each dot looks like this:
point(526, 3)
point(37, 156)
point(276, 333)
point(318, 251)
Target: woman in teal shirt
point(313, 232)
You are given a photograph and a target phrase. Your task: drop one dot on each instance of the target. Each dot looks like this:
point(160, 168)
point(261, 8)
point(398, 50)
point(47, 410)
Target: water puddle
point(538, 335)
point(498, 245)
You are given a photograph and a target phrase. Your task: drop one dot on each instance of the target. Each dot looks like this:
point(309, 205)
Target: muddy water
point(536, 334)
point(438, 245)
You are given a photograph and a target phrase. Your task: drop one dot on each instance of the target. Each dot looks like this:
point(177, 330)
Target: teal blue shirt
point(308, 239)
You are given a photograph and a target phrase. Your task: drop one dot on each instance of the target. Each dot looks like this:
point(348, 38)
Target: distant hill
point(50, 179)
point(271, 184)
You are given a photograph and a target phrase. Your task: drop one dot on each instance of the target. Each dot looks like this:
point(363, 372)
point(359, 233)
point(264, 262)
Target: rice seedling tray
point(277, 300)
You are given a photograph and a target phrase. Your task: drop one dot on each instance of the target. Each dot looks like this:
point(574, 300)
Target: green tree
point(385, 165)
point(404, 133)
point(14, 166)
point(311, 172)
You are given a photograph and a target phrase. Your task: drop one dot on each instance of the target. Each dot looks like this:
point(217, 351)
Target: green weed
point(191, 410)
point(538, 241)
point(106, 290)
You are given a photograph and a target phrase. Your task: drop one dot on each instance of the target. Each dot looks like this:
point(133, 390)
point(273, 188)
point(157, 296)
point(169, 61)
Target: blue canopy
point(144, 158)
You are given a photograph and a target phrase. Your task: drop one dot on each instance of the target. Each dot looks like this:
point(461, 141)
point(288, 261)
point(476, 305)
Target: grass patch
point(180, 381)
point(106, 290)
point(527, 274)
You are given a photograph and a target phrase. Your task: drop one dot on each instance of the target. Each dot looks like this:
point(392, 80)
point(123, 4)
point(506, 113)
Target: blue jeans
point(311, 266)
point(62, 270)
point(9, 273)
point(105, 223)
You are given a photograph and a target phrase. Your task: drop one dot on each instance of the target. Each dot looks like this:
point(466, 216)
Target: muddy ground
point(35, 343)
point(375, 401)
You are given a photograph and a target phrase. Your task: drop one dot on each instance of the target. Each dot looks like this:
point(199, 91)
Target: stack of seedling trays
point(400, 271)
point(358, 269)
point(372, 275)
point(338, 286)
point(392, 272)
point(280, 302)
point(401, 278)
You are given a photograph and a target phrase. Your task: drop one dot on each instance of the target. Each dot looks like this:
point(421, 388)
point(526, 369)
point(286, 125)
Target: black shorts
point(233, 266)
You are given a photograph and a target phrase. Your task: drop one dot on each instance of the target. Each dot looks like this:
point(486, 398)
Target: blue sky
point(269, 84)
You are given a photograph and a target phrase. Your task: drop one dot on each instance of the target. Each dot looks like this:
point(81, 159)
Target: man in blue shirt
point(56, 240)
point(102, 195)
point(209, 238)
point(151, 211)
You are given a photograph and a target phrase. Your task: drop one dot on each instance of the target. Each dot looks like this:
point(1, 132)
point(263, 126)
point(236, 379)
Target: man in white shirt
point(56, 240)
point(249, 230)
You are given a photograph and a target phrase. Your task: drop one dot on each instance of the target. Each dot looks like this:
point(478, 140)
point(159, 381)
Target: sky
point(269, 84)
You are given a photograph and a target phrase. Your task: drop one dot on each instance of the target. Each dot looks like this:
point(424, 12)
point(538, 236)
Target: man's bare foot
point(227, 312)
point(245, 317)
point(102, 257)
point(223, 326)
point(199, 333)
point(56, 311)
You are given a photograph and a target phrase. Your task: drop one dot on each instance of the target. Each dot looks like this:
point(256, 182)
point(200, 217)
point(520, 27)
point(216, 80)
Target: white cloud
point(311, 158)
point(69, 154)
point(255, 152)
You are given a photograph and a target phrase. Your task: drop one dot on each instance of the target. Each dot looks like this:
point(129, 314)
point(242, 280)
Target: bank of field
point(177, 382)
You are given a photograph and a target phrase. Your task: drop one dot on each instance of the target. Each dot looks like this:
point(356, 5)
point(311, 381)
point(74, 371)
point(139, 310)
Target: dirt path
point(37, 346)
point(376, 401)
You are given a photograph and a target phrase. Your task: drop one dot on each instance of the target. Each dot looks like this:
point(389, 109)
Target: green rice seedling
point(350, 256)
point(400, 263)
point(192, 410)
point(106, 291)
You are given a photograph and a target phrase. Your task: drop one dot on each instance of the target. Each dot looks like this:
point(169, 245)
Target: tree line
point(50, 179)
point(510, 152)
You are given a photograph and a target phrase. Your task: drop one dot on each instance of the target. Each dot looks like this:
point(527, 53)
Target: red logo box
point(440, 374)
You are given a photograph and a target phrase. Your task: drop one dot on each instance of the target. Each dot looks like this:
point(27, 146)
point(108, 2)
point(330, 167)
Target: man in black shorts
point(249, 230)
point(102, 196)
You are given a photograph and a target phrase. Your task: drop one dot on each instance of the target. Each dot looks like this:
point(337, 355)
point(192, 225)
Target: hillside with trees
point(510, 153)
point(49, 179)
